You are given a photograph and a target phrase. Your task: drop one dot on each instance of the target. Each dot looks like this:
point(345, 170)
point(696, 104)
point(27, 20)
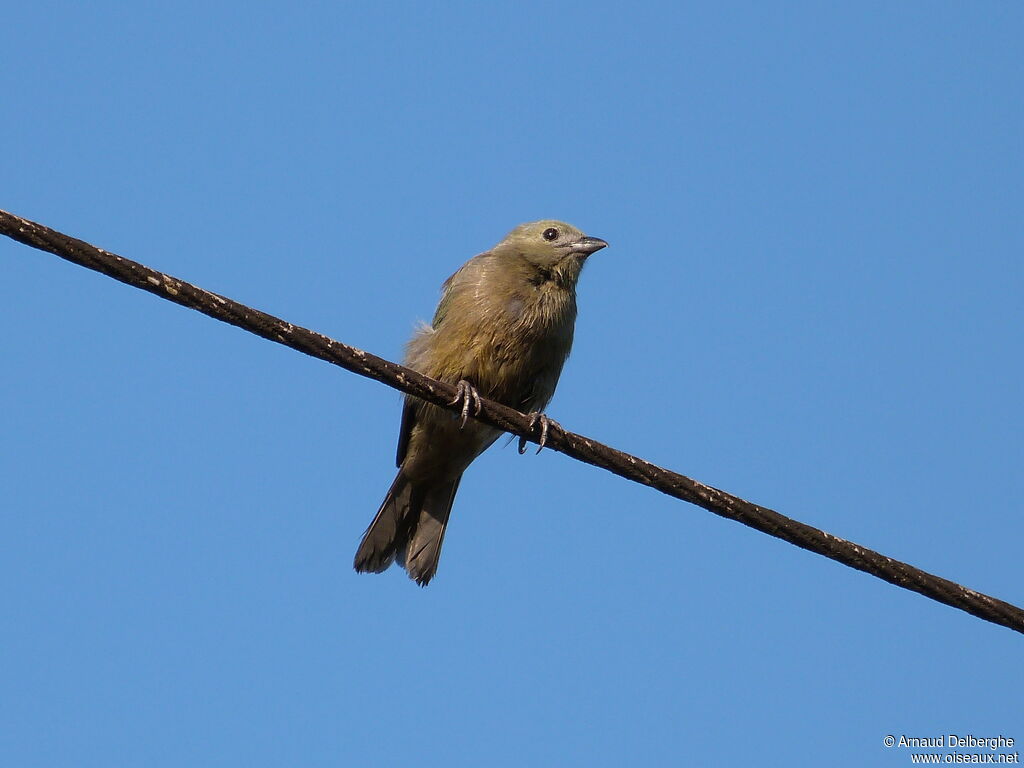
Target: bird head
point(548, 243)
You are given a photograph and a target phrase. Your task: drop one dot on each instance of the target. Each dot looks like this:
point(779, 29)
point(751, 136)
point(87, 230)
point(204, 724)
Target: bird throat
point(563, 274)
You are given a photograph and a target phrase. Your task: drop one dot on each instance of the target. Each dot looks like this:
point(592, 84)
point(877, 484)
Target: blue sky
point(812, 299)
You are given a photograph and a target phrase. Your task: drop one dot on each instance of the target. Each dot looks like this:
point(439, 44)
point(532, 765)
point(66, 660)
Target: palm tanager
point(503, 330)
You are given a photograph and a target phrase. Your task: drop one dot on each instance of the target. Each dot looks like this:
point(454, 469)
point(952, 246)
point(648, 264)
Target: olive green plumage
point(504, 325)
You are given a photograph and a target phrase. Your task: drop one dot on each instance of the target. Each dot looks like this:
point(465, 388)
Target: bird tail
point(409, 528)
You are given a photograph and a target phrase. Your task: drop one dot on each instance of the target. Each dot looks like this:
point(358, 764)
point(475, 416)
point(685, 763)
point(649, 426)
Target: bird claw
point(545, 423)
point(466, 394)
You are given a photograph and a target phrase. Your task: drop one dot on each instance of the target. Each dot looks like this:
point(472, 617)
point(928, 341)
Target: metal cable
point(577, 446)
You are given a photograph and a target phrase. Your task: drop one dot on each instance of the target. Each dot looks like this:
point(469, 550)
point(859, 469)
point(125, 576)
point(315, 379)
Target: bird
point(502, 330)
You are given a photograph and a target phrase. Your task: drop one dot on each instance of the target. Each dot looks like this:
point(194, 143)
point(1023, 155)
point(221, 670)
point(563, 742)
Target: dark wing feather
point(408, 420)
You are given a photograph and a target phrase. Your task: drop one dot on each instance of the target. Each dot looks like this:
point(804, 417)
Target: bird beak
point(588, 245)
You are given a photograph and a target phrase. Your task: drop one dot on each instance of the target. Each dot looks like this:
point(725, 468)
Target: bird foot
point(536, 417)
point(466, 394)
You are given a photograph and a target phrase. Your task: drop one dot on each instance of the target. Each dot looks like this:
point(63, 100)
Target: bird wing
point(404, 431)
point(465, 278)
point(459, 281)
point(445, 302)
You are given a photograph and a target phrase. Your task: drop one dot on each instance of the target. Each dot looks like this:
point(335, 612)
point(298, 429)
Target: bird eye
point(550, 233)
